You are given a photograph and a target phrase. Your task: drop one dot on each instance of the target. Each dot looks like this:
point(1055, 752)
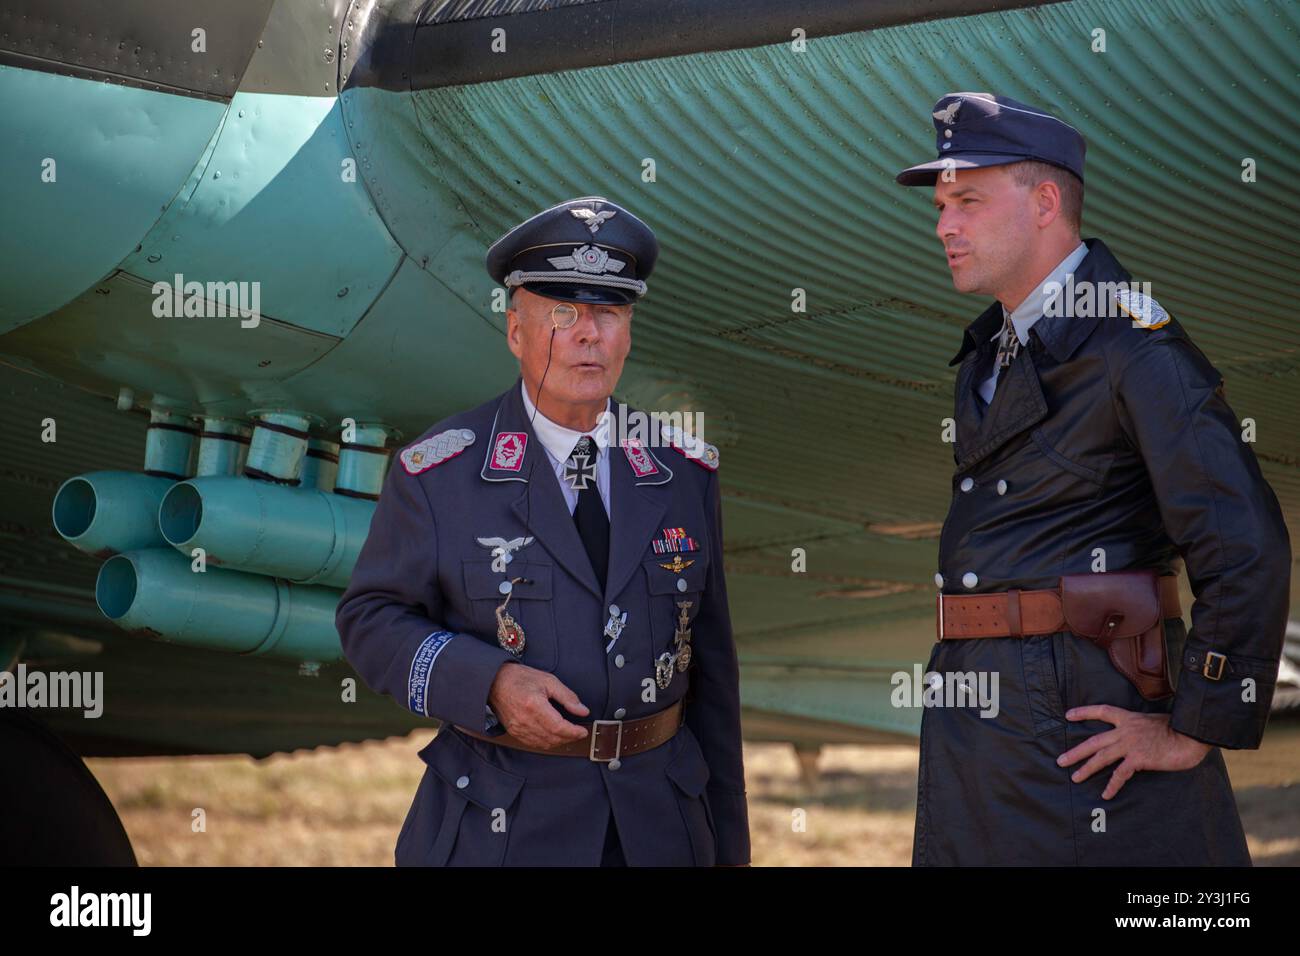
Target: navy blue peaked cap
point(973, 130)
point(583, 250)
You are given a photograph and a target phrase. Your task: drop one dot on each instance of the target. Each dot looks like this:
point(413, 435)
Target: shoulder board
point(435, 449)
point(1145, 311)
point(698, 451)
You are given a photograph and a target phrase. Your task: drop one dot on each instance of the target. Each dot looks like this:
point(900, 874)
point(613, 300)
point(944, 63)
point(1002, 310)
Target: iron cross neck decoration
point(580, 468)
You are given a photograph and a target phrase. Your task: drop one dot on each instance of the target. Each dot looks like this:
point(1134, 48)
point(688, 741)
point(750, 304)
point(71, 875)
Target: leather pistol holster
point(1124, 612)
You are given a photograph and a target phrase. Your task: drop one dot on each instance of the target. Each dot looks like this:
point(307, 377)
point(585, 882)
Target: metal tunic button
point(620, 713)
point(1002, 486)
point(946, 145)
point(969, 579)
point(507, 557)
point(947, 134)
point(938, 579)
point(504, 587)
point(967, 484)
point(615, 764)
point(618, 660)
point(462, 783)
point(466, 434)
point(681, 584)
point(614, 611)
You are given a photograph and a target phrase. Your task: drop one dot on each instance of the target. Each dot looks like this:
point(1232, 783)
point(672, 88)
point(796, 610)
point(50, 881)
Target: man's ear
point(1047, 197)
point(514, 332)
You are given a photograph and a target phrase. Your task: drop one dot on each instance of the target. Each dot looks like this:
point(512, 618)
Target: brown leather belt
point(1023, 613)
point(1121, 611)
point(607, 740)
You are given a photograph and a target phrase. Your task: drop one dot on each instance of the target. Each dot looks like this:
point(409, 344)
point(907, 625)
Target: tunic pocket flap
point(663, 580)
point(468, 774)
point(482, 583)
point(1110, 606)
point(689, 771)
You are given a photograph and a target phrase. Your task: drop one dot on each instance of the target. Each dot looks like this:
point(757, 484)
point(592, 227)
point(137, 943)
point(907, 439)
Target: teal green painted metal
point(317, 472)
point(155, 592)
point(105, 512)
point(166, 698)
point(859, 698)
point(361, 470)
point(272, 205)
point(419, 209)
point(222, 447)
point(169, 450)
point(215, 365)
point(276, 453)
point(419, 354)
point(121, 154)
point(306, 535)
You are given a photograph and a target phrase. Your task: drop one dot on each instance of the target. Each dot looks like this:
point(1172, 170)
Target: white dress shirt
point(1031, 310)
point(559, 441)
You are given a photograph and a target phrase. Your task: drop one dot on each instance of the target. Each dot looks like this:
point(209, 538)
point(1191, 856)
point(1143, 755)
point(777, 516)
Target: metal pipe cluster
point(250, 555)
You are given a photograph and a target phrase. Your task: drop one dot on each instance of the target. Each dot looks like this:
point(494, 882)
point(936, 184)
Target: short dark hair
point(1031, 172)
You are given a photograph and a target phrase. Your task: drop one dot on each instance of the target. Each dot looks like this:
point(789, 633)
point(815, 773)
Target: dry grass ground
point(344, 806)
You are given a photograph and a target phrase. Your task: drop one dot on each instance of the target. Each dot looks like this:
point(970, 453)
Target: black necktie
point(589, 515)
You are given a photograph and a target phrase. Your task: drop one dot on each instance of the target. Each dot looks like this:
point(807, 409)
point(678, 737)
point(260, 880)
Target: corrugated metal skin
point(774, 171)
point(91, 435)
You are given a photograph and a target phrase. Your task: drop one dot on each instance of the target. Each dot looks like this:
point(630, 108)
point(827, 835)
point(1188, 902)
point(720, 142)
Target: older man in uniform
point(553, 592)
point(1094, 447)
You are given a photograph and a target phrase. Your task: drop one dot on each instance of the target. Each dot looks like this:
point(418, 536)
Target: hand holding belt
point(1122, 611)
point(608, 740)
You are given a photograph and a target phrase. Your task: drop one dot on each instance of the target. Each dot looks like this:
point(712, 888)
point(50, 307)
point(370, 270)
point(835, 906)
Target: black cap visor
point(581, 292)
point(927, 174)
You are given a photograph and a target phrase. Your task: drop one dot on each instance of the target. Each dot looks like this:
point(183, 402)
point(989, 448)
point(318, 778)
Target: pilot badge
point(676, 565)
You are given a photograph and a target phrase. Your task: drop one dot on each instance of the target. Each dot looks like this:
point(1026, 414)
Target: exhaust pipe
point(107, 512)
point(304, 535)
point(156, 593)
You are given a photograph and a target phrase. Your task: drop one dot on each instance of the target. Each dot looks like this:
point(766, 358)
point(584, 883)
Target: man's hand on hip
point(521, 698)
point(1142, 741)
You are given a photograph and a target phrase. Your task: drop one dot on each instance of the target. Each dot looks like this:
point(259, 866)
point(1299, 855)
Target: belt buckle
point(939, 599)
point(1205, 668)
point(618, 743)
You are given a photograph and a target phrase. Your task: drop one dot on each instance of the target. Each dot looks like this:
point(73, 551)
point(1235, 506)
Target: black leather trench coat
point(1115, 443)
